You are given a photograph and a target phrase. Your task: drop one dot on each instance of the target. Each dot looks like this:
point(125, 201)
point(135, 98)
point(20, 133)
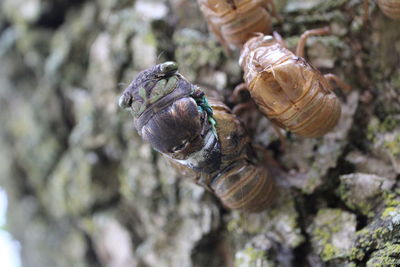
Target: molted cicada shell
point(199, 135)
point(234, 21)
point(390, 8)
point(289, 90)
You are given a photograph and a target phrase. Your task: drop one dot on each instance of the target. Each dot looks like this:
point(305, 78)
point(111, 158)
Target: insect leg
point(270, 5)
point(267, 157)
point(344, 86)
point(248, 114)
point(279, 39)
point(282, 138)
point(237, 91)
point(304, 37)
point(202, 180)
point(241, 108)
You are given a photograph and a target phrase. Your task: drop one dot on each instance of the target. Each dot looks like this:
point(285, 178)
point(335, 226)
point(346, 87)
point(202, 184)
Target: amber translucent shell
point(289, 90)
point(390, 8)
point(244, 186)
point(235, 21)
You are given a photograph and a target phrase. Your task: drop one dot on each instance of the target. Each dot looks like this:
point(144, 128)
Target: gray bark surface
point(85, 190)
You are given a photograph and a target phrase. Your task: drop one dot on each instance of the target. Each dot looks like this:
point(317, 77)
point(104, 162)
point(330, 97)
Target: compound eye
point(168, 67)
point(125, 101)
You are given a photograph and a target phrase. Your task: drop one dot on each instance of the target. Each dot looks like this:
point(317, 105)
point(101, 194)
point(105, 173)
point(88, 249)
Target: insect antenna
point(159, 57)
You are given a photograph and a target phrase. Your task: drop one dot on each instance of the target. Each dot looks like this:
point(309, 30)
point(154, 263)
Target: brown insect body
point(234, 21)
point(202, 139)
point(240, 183)
point(287, 89)
point(167, 116)
point(390, 8)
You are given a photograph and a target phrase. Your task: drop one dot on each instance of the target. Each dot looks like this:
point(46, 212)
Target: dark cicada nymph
point(199, 135)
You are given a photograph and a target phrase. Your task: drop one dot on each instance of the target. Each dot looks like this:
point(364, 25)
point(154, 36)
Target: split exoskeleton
point(391, 8)
point(234, 21)
point(199, 135)
point(288, 90)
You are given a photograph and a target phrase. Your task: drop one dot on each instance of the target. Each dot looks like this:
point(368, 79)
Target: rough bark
point(84, 189)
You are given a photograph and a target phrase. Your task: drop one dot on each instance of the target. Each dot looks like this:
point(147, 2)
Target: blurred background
point(82, 189)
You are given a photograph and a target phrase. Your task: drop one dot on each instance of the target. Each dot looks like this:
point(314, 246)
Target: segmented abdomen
point(244, 186)
point(238, 28)
point(390, 8)
point(291, 92)
point(239, 183)
point(314, 115)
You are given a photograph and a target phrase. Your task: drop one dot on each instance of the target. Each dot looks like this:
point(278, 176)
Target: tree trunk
point(85, 190)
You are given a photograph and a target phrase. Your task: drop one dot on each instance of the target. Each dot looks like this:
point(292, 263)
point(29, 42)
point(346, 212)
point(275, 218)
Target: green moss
point(329, 252)
point(357, 254)
point(344, 193)
point(389, 124)
point(194, 51)
point(240, 224)
point(394, 249)
point(390, 211)
point(373, 128)
point(393, 146)
point(329, 223)
point(245, 223)
point(254, 254)
point(364, 207)
point(368, 238)
point(150, 39)
point(388, 256)
point(392, 204)
point(322, 234)
point(233, 225)
point(380, 231)
point(250, 257)
point(391, 199)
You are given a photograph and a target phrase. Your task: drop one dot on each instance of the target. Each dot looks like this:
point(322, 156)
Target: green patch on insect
point(204, 106)
point(163, 88)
